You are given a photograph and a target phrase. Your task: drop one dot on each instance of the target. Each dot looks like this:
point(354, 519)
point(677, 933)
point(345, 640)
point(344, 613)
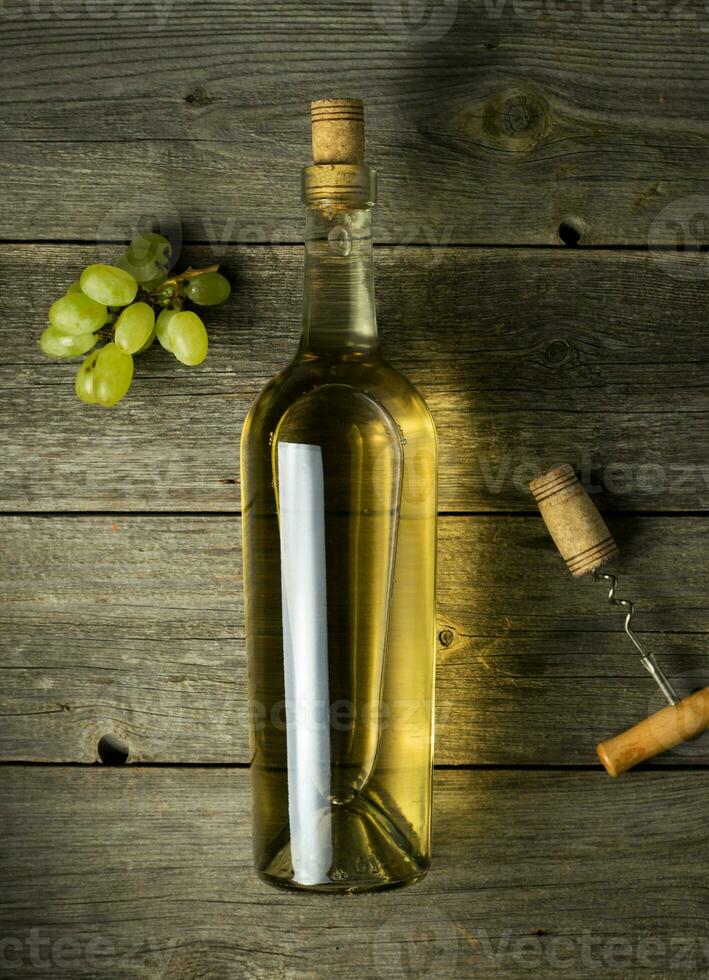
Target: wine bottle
point(338, 478)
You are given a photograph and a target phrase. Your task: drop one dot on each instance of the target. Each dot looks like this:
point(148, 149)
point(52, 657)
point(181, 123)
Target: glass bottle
point(338, 476)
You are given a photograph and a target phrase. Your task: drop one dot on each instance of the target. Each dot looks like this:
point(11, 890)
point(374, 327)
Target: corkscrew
point(586, 544)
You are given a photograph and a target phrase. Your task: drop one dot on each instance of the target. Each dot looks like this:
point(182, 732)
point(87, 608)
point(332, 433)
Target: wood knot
point(199, 97)
point(517, 120)
point(519, 116)
point(446, 637)
point(570, 231)
point(113, 750)
point(557, 352)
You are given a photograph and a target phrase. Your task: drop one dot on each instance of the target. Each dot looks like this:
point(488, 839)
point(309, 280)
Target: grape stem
point(190, 273)
point(106, 331)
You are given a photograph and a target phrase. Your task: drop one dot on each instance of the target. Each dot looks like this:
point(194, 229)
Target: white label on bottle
point(304, 590)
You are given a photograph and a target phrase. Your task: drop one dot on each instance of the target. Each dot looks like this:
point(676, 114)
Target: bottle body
point(338, 464)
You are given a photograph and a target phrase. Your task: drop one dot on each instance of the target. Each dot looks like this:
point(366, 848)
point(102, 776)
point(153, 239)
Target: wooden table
point(500, 135)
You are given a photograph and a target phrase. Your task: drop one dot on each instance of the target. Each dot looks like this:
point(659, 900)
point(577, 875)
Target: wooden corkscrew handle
point(664, 730)
point(585, 543)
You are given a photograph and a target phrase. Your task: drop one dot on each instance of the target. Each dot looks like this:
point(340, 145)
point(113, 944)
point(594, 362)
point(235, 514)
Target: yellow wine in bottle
point(338, 471)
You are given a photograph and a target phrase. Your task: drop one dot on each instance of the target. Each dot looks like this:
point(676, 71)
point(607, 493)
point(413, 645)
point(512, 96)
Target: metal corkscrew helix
point(646, 659)
point(586, 544)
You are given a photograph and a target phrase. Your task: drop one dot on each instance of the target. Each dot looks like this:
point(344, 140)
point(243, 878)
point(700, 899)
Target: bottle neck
point(339, 313)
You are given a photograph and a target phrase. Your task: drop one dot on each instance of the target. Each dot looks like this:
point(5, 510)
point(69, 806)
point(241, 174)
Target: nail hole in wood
point(569, 233)
point(112, 750)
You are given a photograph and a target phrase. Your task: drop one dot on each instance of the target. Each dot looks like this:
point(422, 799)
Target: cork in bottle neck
point(338, 177)
point(338, 131)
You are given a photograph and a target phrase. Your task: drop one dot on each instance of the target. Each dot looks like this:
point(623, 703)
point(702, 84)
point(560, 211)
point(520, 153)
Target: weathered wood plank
point(527, 358)
point(132, 627)
point(144, 873)
point(489, 123)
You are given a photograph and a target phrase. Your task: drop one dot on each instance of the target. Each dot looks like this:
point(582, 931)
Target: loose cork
point(578, 530)
point(662, 731)
point(338, 131)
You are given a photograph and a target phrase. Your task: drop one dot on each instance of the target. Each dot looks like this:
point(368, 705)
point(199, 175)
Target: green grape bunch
point(130, 305)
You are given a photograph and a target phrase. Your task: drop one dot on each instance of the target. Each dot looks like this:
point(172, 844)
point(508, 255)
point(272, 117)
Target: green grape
point(161, 327)
point(208, 289)
point(109, 285)
point(77, 314)
point(187, 338)
point(75, 287)
point(133, 327)
point(84, 385)
point(148, 246)
point(149, 285)
point(149, 342)
point(54, 343)
point(147, 259)
point(113, 374)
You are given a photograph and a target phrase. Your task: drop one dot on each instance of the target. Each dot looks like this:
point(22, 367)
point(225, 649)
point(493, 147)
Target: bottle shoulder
point(367, 375)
